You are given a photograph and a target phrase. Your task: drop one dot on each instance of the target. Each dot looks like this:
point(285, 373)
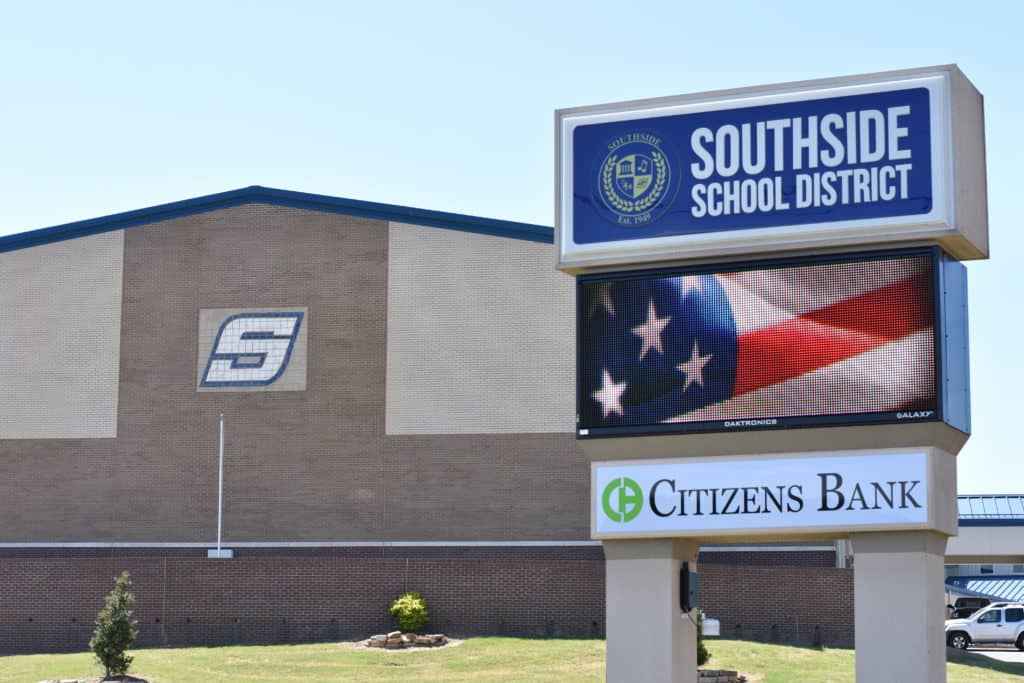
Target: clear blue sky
point(107, 107)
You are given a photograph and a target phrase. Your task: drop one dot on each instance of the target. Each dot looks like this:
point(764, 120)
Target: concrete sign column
point(648, 638)
point(898, 608)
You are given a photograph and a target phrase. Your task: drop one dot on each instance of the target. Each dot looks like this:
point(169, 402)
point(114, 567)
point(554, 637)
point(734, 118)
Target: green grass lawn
point(477, 659)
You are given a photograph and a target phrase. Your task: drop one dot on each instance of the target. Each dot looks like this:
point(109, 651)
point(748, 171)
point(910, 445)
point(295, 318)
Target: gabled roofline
point(257, 194)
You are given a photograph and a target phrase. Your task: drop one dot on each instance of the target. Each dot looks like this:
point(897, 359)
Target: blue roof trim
point(257, 194)
point(995, 521)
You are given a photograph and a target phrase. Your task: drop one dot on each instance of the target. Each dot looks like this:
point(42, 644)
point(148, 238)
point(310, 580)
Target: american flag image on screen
point(853, 337)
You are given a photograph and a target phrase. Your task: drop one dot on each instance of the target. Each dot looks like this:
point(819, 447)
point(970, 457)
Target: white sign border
point(937, 224)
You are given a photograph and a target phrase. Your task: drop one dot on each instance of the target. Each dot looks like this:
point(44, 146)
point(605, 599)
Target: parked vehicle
point(1003, 625)
point(965, 607)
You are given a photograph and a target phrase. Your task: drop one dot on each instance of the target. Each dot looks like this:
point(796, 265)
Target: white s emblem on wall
point(253, 349)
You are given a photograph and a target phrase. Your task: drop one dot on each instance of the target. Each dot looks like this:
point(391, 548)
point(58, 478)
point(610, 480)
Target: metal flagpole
point(220, 485)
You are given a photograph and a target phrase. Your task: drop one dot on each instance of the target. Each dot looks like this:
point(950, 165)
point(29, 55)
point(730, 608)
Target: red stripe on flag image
point(830, 339)
point(833, 333)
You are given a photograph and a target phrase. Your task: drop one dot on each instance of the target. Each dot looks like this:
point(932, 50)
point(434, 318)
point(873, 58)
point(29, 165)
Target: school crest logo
point(635, 179)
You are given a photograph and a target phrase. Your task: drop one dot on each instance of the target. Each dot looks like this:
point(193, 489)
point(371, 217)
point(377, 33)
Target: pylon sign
point(771, 340)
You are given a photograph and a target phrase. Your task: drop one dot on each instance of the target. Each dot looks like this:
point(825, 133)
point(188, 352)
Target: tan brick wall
point(311, 465)
point(60, 316)
point(481, 335)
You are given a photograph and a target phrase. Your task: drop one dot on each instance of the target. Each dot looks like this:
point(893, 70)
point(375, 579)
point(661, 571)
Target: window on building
point(986, 569)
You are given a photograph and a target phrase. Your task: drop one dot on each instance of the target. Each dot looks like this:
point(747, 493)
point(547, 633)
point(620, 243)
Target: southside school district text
point(867, 136)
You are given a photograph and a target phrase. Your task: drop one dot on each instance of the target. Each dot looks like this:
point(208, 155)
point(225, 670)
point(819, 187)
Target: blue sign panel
point(851, 158)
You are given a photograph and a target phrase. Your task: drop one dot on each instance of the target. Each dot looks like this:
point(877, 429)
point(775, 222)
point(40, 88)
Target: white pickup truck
point(1001, 623)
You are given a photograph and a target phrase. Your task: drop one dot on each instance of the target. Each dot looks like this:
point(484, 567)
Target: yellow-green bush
point(410, 611)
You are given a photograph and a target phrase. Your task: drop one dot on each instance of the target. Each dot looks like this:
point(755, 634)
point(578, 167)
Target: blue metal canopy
point(1008, 588)
point(991, 510)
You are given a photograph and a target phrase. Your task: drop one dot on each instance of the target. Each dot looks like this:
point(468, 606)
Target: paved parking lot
point(1003, 654)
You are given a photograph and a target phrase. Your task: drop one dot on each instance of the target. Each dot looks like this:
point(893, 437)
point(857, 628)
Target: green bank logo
point(622, 500)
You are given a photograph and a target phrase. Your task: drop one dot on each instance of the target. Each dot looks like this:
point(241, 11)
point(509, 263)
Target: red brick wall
point(771, 558)
point(796, 605)
point(48, 604)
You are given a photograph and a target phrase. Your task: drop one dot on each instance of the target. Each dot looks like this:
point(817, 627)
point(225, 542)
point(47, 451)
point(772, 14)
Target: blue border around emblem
point(203, 383)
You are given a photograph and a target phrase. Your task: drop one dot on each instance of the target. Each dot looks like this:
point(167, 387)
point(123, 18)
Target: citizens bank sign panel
point(714, 497)
point(846, 161)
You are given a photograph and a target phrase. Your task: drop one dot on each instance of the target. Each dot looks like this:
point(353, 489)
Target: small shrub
point(703, 656)
point(115, 629)
point(410, 611)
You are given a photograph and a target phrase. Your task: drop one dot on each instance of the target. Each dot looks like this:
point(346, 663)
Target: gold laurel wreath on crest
point(625, 205)
point(659, 185)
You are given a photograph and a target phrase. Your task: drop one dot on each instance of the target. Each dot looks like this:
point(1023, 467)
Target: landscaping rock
point(719, 676)
point(396, 640)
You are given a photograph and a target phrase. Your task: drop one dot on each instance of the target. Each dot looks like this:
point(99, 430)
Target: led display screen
point(794, 342)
